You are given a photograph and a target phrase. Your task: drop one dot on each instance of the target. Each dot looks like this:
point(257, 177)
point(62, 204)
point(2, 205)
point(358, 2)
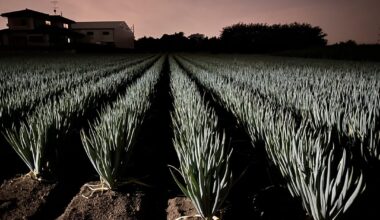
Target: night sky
point(340, 19)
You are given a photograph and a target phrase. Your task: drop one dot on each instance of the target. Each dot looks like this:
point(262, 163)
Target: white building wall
point(124, 37)
point(97, 36)
point(119, 34)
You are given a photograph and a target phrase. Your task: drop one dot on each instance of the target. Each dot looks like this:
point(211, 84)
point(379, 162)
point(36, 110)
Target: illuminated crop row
point(49, 123)
point(316, 166)
point(203, 155)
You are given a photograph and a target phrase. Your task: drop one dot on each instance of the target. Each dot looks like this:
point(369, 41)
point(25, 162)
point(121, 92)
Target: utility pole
point(55, 7)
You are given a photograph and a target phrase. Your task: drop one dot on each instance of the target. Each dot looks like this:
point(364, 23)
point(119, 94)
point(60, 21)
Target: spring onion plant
point(110, 140)
point(315, 170)
point(205, 175)
point(51, 120)
point(277, 107)
point(29, 142)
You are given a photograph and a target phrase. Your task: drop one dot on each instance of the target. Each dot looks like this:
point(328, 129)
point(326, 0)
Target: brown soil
point(23, 197)
point(180, 206)
point(105, 205)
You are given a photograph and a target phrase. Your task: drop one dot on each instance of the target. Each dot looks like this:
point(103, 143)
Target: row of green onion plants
point(340, 95)
point(111, 138)
point(50, 123)
point(204, 173)
point(22, 92)
point(316, 168)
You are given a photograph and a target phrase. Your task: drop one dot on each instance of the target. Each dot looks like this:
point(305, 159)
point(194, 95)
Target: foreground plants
point(204, 160)
point(29, 142)
point(317, 172)
point(303, 131)
point(110, 140)
point(35, 137)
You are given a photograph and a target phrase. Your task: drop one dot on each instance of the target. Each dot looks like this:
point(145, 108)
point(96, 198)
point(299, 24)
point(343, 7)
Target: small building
point(113, 33)
point(28, 29)
point(32, 29)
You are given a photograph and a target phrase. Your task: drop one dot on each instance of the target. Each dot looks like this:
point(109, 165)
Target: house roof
point(100, 25)
point(60, 18)
point(25, 13)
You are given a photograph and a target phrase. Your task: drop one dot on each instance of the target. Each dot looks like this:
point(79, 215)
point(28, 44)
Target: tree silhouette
point(256, 38)
point(267, 38)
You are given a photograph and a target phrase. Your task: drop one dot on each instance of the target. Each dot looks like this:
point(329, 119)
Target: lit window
point(66, 26)
point(68, 40)
point(48, 23)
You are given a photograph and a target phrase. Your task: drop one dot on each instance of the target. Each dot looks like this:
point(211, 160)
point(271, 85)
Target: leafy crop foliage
point(201, 149)
point(316, 121)
point(110, 140)
point(45, 117)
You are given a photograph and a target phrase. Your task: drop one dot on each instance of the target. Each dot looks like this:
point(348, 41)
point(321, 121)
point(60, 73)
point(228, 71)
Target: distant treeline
point(348, 50)
point(246, 38)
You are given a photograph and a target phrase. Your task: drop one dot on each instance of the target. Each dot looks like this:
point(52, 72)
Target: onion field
point(233, 136)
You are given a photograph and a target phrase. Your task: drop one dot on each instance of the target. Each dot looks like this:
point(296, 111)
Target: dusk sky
point(340, 19)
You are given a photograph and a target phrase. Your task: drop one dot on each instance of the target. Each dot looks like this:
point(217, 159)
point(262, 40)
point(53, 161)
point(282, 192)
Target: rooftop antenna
point(55, 7)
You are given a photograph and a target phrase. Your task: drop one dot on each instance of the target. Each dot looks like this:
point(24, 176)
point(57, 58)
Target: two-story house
point(28, 28)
